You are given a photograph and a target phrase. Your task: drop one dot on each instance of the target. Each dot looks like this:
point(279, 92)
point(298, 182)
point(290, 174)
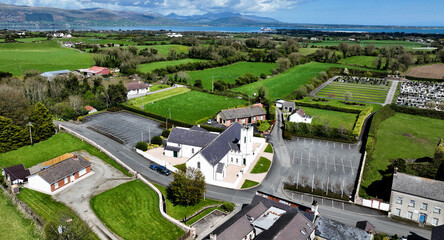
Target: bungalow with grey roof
point(245, 115)
point(16, 174)
point(60, 174)
point(299, 116)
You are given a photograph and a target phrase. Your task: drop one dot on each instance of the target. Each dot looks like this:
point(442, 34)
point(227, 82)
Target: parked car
point(209, 121)
point(163, 170)
point(154, 166)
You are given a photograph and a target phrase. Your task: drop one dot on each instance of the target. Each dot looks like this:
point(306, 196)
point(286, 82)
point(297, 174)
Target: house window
point(260, 117)
point(437, 210)
point(198, 165)
point(399, 200)
point(231, 159)
point(245, 139)
point(398, 212)
point(412, 203)
point(409, 215)
point(237, 160)
point(254, 118)
point(435, 221)
point(424, 206)
point(56, 185)
point(66, 180)
point(81, 172)
point(192, 150)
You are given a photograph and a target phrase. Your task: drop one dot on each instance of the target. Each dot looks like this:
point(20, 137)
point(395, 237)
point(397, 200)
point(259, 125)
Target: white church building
point(212, 153)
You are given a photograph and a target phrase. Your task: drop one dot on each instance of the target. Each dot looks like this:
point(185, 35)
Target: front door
point(175, 154)
point(422, 218)
point(245, 161)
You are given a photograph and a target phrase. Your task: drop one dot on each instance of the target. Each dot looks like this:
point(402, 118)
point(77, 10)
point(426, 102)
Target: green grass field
point(55, 146)
point(164, 49)
point(262, 165)
point(13, 224)
point(192, 106)
point(249, 184)
point(131, 210)
point(360, 92)
point(333, 118)
point(282, 85)
point(148, 99)
point(339, 103)
point(403, 136)
point(49, 209)
point(231, 72)
point(148, 67)
point(45, 56)
point(365, 61)
point(179, 212)
point(307, 51)
point(158, 87)
point(377, 43)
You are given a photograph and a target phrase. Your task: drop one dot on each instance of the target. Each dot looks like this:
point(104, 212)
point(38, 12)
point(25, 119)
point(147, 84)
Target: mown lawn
point(339, 103)
point(249, 184)
point(403, 136)
point(365, 61)
point(269, 149)
point(44, 56)
point(231, 72)
point(179, 212)
point(158, 87)
point(13, 224)
point(360, 92)
point(282, 85)
point(192, 106)
point(262, 165)
point(331, 118)
point(49, 209)
point(131, 210)
point(55, 146)
point(148, 67)
point(148, 99)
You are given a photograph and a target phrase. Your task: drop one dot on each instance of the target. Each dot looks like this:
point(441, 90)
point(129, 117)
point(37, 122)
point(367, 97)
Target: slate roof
point(239, 225)
point(438, 233)
point(134, 85)
point(299, 111)
point(288, 208)
point(220, 167)
point(17, 172)
point(172, 148)
point(192, 137)
point(418, 186)
point(53, 73)
point(242, 112)
point(63, 169)
point(293, 225)
point(366, 226)
point(196, 128)
point(334, 230)
point(222, 144)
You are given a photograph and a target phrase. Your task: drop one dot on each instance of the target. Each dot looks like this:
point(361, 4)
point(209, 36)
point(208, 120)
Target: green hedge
point(419, 111)
point(154, 116)
point(328, 107)
point(424, 79)
point(360, 120)
point(319, 131)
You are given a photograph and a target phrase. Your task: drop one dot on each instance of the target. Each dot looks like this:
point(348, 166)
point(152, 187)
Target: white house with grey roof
point(58, 175)
point(234, 146)
point(185, 142)
point(417, 199)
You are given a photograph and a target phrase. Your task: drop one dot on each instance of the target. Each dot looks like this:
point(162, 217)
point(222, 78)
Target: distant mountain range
point(46, 16)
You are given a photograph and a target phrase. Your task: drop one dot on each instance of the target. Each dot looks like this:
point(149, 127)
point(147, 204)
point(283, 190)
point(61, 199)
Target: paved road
point(272, 183)
point(391, 93)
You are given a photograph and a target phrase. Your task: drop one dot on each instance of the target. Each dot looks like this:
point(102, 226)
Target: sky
point(360, 12)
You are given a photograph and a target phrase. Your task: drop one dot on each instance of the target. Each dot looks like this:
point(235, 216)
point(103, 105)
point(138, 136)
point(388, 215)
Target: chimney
point(74, 157)
point(314, 208)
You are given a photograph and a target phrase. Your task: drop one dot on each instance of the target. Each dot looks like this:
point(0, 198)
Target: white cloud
point(181, 7)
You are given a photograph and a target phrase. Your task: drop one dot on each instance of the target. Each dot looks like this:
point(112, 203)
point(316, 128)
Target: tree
point(283, 64)
point(301, 92)
point(295, 58)
point(142, 146)
point(76, 103)
point(406, 59)
point(440, 55)
point(66, 227)
point(198, 83)
point(188, 187)
point(13, 103)
point(156, 140)
point(347, 96)
point(11, 136)
point(261, 94)
point(117, 93)
point(43, 128)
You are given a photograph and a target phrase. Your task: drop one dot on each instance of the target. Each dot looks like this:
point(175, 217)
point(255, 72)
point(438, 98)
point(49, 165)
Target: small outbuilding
point(136, 87)
point(90, 109)
point(16, 174)
point(50, 75)
point(298, 116)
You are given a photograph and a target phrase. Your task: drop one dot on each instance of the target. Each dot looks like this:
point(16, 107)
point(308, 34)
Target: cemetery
point(421, 94)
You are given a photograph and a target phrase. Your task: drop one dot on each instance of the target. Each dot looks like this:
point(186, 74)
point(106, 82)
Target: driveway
point(78, 195)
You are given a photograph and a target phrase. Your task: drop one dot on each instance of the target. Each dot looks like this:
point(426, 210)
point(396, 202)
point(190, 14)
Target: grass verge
point(262, 165)
point(249, 184)
point(269, 149)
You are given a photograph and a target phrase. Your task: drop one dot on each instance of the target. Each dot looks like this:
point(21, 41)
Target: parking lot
point(322, 163)
point(130, 128)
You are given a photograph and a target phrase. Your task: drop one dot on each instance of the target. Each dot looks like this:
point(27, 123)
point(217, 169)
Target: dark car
point(163, 170)
point(154, 166)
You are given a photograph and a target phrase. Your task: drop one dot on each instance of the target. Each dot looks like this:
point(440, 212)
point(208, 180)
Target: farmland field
point(365, 61)
point(435, 71)
point(339, 103)
point(13, 224)
point(307, 51)
point(164, 49)
point(148, 67)
point(282, 85)
point(192, 106)
point(229, 73)
point(403, 136)
point(148, 99)
point(359, 92)
point(377, 43)
point(19, 57)
point(131, 210)
point(333, 118)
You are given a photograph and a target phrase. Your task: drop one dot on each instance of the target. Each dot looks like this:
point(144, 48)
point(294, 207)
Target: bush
point(287, 135)
point(156, 140)
point(142, 146)
point(165, 133)
point(80, 119)
point(228, 207)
